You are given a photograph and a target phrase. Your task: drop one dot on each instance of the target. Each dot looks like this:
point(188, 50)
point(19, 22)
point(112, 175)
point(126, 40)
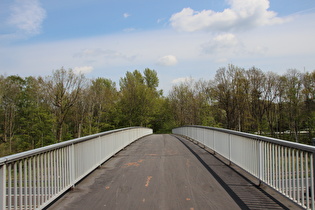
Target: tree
point(138, 97)
point(272, 98)
point(293, 98)
point(101, 98)
point(229, 91)
point(309, 101)
point(181, 100)
point(63, 89)
point(12, 87)
point(35, 123)
point(190, 103)
point(262, 92)
point(222, 95)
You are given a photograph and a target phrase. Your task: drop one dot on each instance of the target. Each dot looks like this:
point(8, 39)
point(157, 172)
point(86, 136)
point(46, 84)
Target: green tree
point(62, 91)
point(309, 102)
point(190, 103)
point(293, 97)
point(139, 98)
point(35, 120)
point(229, 91)
point(12, 88)
point(102, 97)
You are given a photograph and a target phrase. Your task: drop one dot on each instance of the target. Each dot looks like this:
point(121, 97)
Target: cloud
point(126, 15)
point(27, 16)
point(83, 69)
point(168, 60)
point(222, 44)
point(127, 30)
point(242, 14)
point(102, 53)
point(182, 80)
point(289, 45)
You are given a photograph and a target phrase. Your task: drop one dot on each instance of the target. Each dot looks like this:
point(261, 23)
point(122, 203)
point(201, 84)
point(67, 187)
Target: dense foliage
point(35, 112)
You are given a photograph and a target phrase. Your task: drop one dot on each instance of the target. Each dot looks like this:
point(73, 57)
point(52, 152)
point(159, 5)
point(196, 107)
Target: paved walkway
point(165, 172)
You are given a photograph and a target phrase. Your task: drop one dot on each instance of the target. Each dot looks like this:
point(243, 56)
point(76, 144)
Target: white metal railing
point(287, 167)
point(33, 179)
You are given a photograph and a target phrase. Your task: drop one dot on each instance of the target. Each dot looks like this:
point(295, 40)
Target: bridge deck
point(165, 172)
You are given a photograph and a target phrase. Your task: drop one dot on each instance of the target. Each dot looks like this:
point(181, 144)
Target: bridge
point(196, 167)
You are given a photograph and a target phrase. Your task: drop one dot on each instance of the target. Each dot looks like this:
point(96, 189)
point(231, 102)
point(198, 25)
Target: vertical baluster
point(279, 168)
point(9, 186)
point(72, 165)
point(312, 180)
point(298, 176)
point(3, 186)
point(34, 181)
point(30, 185)
point(306, 181)
point(276, 167)
point(55, 171)
point(25, 185)
point(15, 185)
point(62, 168)
point(294, 160)
point(58, 170)
point(52, 173)
point(48, 179)
point(21, 183)
point(42, 178)
point(260, 160)
point(302, 177)
point(273, 165)
point(38, 182)
point(268, 164)
point(290, 173)
point(281, 171)
point(46, 176)
point(286, 187)
point(67, 170)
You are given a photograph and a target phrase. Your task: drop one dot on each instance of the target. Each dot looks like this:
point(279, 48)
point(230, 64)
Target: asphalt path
point(165, 172)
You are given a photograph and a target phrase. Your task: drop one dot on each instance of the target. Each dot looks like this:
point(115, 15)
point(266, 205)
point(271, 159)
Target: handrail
point(261, 138)
point(35, 178)
point(287, 167)
point(14, 157)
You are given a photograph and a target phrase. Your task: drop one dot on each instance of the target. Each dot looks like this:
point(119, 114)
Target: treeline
point(38, 111)
point(281, 106)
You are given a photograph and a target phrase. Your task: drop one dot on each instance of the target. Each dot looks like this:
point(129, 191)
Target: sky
point(179, 39)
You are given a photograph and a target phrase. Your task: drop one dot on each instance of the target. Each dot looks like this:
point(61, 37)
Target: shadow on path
point(245, 193)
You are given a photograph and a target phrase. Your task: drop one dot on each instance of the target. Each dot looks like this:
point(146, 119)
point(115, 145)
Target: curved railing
point(33, 179)
point(287, 167)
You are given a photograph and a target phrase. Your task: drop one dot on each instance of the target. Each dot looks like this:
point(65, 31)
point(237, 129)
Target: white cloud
point(289, 45)
point(242, 14)
point(126, 15)
point(83, 69)
point(182, 80)
point(98, 53)
point(27, 16)
point(168, 60)
point(222, 43)
point(129, 30)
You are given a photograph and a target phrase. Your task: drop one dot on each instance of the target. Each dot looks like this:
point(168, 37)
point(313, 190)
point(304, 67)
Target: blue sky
point(179, 39)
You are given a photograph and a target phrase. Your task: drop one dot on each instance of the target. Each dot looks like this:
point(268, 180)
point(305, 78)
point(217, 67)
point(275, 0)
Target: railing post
point(260, 161)
point(3, 187)
point(214, 143)
point(313, 180)
point(230, 149)
point(72, 166)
